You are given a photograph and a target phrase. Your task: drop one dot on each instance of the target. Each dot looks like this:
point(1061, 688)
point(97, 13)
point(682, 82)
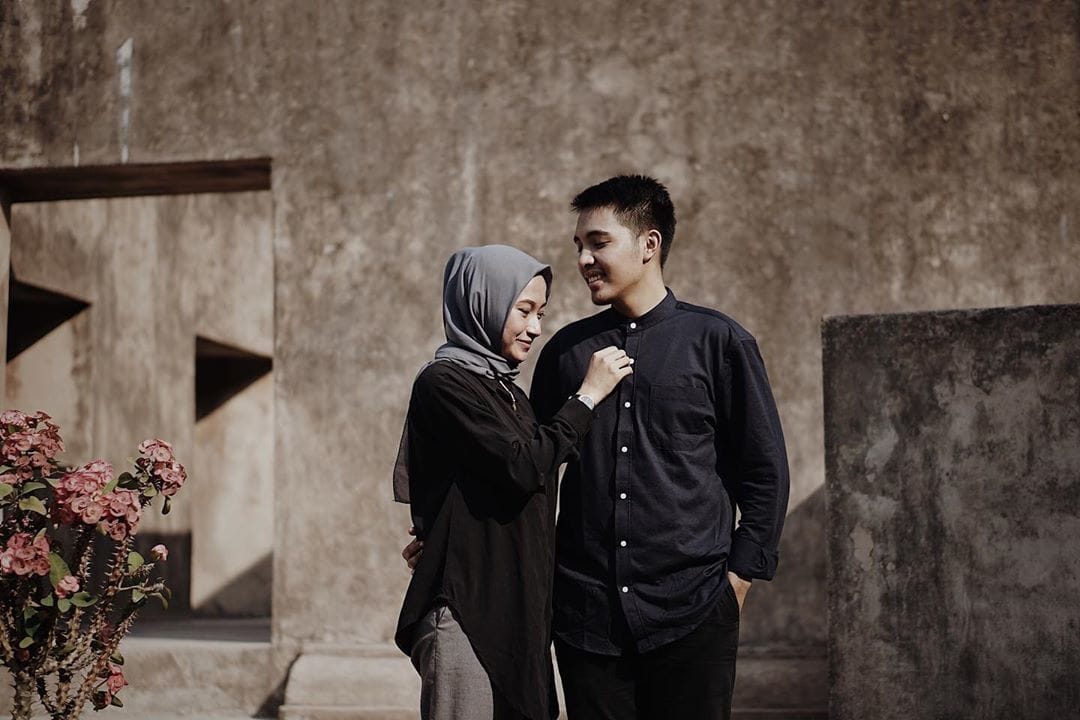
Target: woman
point(480, 476)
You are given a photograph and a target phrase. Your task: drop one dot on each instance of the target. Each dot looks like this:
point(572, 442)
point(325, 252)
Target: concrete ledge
point(351, 682)
point(782, 679)
point(379, 683)
point(316, 712)
point(187, 678)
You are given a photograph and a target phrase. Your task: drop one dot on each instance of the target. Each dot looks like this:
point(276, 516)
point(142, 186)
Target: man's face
point(610, 255)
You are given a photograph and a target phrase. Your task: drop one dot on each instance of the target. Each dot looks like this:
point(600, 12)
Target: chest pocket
point(680, 417)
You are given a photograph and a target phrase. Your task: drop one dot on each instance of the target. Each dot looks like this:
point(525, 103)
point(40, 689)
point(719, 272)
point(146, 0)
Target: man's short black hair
point(640, 202)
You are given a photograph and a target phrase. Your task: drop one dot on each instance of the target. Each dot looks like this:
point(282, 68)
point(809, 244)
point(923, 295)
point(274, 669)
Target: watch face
point(588, 401)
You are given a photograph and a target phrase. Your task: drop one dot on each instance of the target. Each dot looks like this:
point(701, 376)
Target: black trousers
point(691, 678)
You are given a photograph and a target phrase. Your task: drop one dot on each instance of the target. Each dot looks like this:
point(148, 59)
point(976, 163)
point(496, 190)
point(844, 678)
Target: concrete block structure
point(953, 474)
point(850, 157)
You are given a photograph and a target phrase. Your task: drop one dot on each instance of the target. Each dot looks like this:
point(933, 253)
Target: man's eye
point(540, 315)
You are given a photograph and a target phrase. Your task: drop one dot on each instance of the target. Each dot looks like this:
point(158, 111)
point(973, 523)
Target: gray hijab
point(480, 286)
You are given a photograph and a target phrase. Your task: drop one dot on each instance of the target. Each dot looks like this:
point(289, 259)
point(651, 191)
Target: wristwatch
point(585, 400)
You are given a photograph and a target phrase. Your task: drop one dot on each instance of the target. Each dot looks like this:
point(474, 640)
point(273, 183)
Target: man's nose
point(584, 259)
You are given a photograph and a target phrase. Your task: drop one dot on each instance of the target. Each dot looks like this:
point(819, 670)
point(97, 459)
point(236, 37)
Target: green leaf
point(63, 605)
point(54, 482)
point(30, 487)
point(150, 491)
point(28, 613)
point(83, 599)
point(126, 479)
point(135, 561)
point(111, 486)
point(137, 595)
point(58, 569)
point(167, 506)
point(47, 601)
point(117, 658)
point(32, 504)
point(6, 490)
point(26, 642)
point(117, 701)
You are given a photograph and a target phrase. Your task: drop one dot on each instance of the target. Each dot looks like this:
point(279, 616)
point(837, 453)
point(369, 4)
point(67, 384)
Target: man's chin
point(599, 297)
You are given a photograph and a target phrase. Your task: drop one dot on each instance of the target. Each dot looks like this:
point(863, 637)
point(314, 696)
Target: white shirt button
point(626, 404)
point(622, 496)
point(624, 448)
point(622, 543)
point(625, 589)
point(633, 326)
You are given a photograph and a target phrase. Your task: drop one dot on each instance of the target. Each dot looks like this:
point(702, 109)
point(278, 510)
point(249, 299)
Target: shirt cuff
point(577, 415)
point(750, 561)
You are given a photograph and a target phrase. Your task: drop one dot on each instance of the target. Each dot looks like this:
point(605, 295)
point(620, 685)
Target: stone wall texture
point(953, 477)
point(825, 158)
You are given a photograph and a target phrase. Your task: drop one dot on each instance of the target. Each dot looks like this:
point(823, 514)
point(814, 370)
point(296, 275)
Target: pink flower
point(99, 467)
point(116, 679)
point(157, 450)
point(25, 555)
point(172, 476)
point(117, 529)
point(78, 494)
point(13, 417)
point(89, 508)
point(69, 585)
point(159, 552)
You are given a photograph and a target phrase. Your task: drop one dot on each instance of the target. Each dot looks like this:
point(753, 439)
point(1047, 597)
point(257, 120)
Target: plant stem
point(23, 704)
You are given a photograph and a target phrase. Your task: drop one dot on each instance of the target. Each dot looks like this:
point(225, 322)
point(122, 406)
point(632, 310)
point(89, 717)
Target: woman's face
point(523, 323)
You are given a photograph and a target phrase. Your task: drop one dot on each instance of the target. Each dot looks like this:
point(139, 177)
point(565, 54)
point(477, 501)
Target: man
point(651, 570)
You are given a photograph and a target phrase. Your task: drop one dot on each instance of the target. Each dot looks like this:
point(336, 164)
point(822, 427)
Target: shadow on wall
point(791, 610)
point(247, 595)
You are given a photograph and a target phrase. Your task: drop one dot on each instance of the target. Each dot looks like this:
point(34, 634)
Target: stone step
point(782, 678)
point(337, 713)
point(188, 672)
point(789, 714)
point(378, 683)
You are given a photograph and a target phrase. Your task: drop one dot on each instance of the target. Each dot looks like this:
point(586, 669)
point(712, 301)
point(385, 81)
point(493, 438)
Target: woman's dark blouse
point(483, 483)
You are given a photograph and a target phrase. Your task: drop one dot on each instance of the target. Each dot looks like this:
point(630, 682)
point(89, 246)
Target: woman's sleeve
point(486, 444)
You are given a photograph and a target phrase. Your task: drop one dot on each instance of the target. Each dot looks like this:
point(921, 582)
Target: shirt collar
point(658, 313)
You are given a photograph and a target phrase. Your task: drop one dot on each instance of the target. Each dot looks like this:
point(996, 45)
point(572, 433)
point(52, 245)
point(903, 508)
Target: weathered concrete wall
point(157, 272)
point(853, 157)
point(953, 464)
point(233, 527)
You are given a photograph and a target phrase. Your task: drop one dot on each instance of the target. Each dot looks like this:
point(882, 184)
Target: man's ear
point(653, 243)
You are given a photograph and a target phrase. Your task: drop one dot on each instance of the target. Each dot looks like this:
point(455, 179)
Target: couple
point(664, 414)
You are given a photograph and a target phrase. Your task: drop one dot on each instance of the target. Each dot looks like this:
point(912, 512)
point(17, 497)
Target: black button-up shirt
point(646, 528)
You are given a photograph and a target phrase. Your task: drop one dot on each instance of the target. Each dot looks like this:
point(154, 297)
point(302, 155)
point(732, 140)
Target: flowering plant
point(60, 624)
